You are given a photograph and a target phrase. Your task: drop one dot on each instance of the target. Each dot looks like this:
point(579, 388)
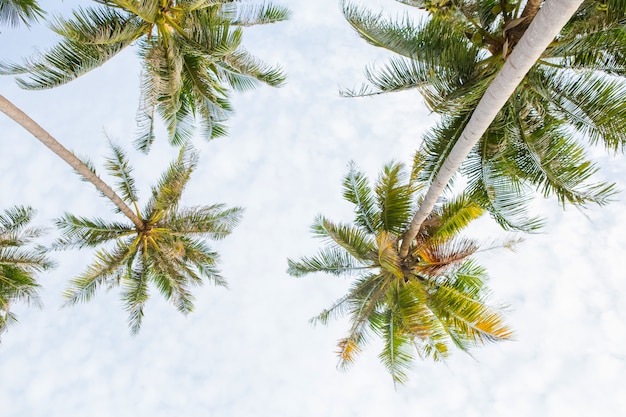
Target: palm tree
point(18, 262)
point(419, 305)
point(453, 56)
point(191, 52)
point(168, 251)
point(162, 244)
point(14, 12)
point(55, 146)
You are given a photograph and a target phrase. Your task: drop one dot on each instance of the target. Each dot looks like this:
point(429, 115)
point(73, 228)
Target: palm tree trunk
point(44, 137)
point(545, 26)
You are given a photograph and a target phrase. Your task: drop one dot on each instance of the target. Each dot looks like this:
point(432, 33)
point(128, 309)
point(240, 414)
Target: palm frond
point(254, 14)
point(63, 63)
point(357, 190)
point(215, 221)
point(14, 12)
point(108, 269)
point(594, 106)
point(101, 25)
point(352, 239)
point(397, 354)
point(240, 66)
point(399, 37)
point(118, 166)
point(168, 191)
point(394, 198)
point(438, 259)
point(455, 216)
point(469, 319)
point(81, 232)
point(331, 260)
point(135, 293)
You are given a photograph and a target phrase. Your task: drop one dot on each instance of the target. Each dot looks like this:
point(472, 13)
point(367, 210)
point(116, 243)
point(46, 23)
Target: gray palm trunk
point(44, 137)
point(545, 26)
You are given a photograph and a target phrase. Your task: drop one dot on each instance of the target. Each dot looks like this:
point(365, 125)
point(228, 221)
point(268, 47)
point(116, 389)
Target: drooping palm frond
point(574, 92)
point(246, 14)
point(20, 261)
point(191, 52)
point(169, 251)
point(14, 12)
point(401, 300)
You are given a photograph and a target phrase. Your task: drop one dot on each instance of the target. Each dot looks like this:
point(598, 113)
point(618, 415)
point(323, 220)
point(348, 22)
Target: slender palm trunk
point(44, 137)
point(545, 26)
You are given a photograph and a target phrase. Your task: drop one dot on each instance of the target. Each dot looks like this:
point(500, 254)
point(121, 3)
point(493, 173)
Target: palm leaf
point(14, 12)
point(352, 239)
point(80, 232)
point(118, 166)
point(356, 189)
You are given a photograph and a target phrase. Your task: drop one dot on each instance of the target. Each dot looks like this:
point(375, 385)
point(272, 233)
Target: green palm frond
point(118, 166)
point(99, 26)
point(80, 232)
point(166, 194)
point(191, 52)
point(14, 12)
point(256, 14)
point(505, 198)
point(215, 221)
point(374, 28)
point(594, 106)
point(574, 92)
point(108, 269)
point(357, 190)
point(167, 249)
point(243, 64)
point(135, 294)
point(20, 260)
point(455, 215)
point(436, 146)
point(359, 244)
point(397, 354)
point(468, 319)
point(329, 260)
point(395, 298)
point(394, 198)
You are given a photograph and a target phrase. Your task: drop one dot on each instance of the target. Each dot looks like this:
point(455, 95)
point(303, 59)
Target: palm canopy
point(419, 305)
point(169, 251)
point(19, 262)
point(14, 12)
point(575, 91)
point(191, 51)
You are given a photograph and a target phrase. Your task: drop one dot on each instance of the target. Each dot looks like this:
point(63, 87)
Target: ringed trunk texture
point(44, 137)
point(528, 14)
point(545, 26)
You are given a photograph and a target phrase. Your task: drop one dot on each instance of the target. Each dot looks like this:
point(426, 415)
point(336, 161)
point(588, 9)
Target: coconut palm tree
point(191, 52)
point(163, 244)
point(574, 90)
point(14, 12)
point(419, 305)
point(19, 262)
point(168, 251)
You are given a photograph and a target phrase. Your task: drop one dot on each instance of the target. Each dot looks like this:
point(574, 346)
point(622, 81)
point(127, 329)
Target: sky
point(249, 350)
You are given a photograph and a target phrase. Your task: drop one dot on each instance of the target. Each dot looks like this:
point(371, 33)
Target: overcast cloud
point(249, 350)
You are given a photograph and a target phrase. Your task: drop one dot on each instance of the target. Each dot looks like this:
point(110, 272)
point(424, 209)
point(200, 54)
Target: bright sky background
point(249, 350)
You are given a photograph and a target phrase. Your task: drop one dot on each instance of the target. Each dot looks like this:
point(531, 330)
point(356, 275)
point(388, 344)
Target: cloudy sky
point(249, 350)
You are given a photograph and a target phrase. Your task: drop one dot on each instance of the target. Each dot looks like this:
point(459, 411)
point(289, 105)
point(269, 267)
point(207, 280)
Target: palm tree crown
point(18, 262)
point(191, 52)
point(574, 91)
point(168, 250)
point(421, 304)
